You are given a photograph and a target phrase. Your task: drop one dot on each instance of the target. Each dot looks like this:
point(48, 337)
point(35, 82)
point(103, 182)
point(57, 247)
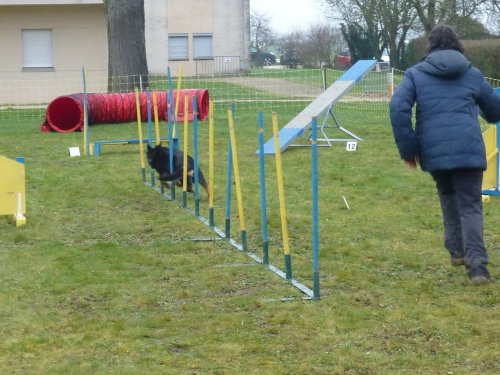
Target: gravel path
point(277, 86)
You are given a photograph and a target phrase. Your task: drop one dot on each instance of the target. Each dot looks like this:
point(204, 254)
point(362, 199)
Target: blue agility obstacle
point(322, 106)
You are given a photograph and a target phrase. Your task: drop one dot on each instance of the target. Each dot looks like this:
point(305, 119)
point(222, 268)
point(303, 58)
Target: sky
point(289, 15)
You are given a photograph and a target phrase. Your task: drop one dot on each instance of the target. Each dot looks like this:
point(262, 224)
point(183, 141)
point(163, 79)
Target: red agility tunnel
point(65, 113)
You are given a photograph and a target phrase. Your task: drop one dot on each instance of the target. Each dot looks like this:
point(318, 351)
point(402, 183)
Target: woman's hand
point(411, 163)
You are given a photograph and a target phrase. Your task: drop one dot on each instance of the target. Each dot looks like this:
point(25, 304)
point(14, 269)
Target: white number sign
point(351, 146)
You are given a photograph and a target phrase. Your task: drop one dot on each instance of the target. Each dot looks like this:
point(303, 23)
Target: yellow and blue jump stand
point(13, 189)
point(491, 177)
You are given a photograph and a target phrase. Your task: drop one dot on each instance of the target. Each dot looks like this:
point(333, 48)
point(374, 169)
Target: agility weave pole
point(139, 131)
point(263, 199)
point(281, 196)
point(86, 136)
point(227, 221)
point(185, 163)
point(315, 206)
point(315, 293)
point(172, 109)
point(311, 294)
point(225, 234)
point(239, 197)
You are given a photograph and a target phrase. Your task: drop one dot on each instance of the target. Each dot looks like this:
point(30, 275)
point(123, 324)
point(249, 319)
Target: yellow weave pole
point(281, 193)
point(139, 130)
point(186, 145)
point(239, 197)
point(211, 162)
point(157, 123)
point(177, 100)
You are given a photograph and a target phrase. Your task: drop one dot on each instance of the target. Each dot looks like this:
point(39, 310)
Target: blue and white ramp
point(320, 105)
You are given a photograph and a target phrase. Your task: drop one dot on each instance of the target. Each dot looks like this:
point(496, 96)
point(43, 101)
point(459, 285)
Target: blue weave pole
point(315, 211)
point(150, 131)
point(227, 229)
point(195, 155)
point(171, 127)
point(86, 113)
point(263, 209)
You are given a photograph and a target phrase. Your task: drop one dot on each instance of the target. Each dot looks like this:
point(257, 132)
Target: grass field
point(109, 277)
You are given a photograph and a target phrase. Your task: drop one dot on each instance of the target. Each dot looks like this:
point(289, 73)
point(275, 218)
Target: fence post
point(390, 82)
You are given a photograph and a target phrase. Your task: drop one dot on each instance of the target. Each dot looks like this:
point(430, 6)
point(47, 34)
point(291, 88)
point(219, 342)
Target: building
point(52, 40)
point(205, 37)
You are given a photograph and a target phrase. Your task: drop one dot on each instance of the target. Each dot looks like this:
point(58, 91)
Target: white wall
point(156, 32)
point(79, 40)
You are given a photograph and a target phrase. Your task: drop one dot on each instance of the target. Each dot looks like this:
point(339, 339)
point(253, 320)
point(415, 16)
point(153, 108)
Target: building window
point(202, 46)
point(37, 48)
point(178, 47)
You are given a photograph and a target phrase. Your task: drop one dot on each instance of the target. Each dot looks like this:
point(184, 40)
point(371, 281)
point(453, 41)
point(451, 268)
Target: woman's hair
point(443, 37)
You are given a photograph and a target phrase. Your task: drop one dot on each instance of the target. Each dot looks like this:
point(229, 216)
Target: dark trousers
point(462, 207)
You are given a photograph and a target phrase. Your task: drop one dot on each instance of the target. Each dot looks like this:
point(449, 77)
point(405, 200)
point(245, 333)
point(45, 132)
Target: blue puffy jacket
point(447, 91)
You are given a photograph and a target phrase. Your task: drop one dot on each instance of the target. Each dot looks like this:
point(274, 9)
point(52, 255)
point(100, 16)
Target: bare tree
point(489, 14)
point(431, 12)
point(261, 34)
point(369, 26)
point(126, 43)
point(322, 44)
point(398, 19)
point(291, 48)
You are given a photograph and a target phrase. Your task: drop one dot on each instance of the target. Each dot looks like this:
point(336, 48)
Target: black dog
point(159, 160)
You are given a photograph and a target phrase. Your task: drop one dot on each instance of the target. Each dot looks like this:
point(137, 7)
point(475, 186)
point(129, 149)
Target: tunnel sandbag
point(66, 113)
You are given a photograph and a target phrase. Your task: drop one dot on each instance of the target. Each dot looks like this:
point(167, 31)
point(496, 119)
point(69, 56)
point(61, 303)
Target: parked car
point(262, 58)
point(342, 60)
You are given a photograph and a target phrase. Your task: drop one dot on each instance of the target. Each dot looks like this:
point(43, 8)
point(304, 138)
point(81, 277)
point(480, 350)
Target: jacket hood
point(444, 63)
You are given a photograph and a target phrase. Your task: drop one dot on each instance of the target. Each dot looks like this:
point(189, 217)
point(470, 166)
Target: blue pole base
point(265, 252)
point(184, 199)
point(152, 178)
point(197, 206)
point(244, 240)
point(316, 285)
point(211, 217)
point(288, 266)
point(228, 229)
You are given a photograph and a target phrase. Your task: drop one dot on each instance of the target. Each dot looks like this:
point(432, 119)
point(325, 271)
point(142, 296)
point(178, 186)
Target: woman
point(447, 141)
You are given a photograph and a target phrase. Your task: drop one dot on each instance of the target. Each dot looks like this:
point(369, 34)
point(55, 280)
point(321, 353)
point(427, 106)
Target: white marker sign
point(351, 146)
point(74, 151)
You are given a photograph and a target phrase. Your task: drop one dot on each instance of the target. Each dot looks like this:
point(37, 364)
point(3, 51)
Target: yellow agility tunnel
point(13, 189)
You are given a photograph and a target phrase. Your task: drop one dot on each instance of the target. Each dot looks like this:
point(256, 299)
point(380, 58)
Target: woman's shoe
point(480, 280)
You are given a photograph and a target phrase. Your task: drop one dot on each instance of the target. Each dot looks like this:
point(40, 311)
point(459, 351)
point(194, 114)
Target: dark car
point(262, 58)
